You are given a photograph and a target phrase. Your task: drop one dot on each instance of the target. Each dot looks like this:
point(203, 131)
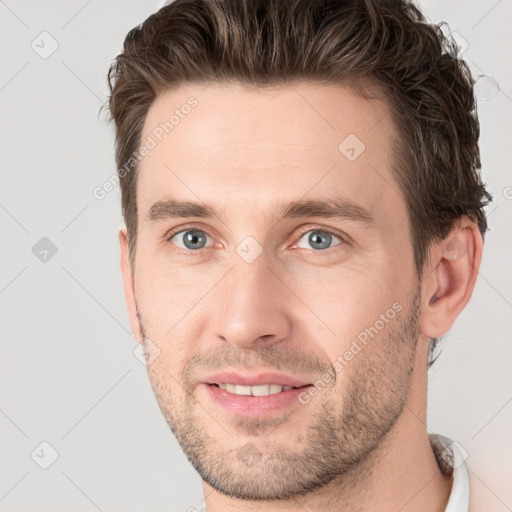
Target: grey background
point(69, 376)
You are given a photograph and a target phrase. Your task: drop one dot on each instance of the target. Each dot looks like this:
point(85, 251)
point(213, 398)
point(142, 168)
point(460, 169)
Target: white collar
point(450, 457)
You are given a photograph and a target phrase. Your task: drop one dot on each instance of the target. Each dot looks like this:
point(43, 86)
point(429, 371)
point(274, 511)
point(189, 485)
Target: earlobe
point(129, 285)
point(449, 284)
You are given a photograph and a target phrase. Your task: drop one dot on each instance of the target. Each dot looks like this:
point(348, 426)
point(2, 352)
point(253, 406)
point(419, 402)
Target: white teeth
point(242, 390)
point(262, 390)
point(274, 388)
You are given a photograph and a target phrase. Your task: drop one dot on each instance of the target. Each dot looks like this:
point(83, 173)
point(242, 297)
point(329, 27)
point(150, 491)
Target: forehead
point(230, 145)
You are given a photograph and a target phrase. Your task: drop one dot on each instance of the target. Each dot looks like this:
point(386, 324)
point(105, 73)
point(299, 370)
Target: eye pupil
point(192, 237)
point(321, 238)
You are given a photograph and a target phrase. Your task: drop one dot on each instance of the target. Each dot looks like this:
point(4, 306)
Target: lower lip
point(254, 406)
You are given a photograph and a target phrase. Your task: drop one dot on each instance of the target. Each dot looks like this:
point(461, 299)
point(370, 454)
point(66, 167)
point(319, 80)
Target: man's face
point(248, 291)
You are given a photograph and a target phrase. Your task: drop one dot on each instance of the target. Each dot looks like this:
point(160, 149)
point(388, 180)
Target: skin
point(361, 443)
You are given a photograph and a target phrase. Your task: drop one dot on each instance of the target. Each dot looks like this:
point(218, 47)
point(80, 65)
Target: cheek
point(350, 298)
point(165, 295)
point(166, 390)
point(166, 366)
point(170, 302)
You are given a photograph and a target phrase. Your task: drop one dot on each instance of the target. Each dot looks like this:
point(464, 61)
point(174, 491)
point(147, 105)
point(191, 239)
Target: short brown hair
point(258, 43)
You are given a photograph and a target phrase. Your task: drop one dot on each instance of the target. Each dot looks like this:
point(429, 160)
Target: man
point(304, 219)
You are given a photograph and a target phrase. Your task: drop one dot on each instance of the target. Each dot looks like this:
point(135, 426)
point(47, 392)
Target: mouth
point(259, 390)
point(263, 400)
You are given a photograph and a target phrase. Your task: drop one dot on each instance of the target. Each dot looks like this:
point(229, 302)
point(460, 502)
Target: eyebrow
point(338, 208)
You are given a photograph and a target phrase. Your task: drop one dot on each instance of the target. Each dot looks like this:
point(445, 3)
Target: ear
point(129, 285)
point(451, 278)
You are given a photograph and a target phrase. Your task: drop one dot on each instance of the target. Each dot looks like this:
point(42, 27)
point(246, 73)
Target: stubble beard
point(335, 445)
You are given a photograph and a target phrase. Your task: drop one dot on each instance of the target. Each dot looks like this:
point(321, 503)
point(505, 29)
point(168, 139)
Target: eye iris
point(192, 237)
point(321, 238)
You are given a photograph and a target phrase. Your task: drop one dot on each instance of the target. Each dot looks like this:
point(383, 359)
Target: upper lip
point(254, 380)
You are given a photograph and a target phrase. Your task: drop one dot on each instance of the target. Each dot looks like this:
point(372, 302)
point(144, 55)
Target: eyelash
point(192, 254)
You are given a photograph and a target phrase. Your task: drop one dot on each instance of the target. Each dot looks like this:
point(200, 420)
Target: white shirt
point(450, 457)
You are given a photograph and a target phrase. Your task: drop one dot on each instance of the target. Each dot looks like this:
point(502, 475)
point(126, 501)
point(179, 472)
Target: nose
point(252, 306)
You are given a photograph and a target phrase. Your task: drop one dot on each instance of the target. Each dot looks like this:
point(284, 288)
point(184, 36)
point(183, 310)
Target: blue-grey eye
point(318, 239)
point(190, 238)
